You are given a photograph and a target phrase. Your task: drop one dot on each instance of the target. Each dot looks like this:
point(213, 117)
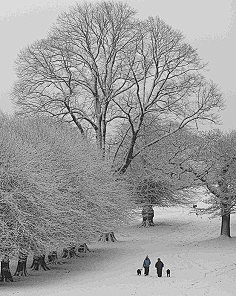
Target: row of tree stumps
point(72, 250)
point(20, 269)
point(39, 261)
point(107, 237)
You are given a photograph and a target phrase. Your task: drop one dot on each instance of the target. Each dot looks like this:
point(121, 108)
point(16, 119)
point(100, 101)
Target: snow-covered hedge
point(54, 186)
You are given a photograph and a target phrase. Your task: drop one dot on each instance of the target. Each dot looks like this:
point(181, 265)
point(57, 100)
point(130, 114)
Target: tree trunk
point(52, 257)
point(98, 113)
point(74, 118)
point(5, 270)
point(103, 129)
point(21, 266)
point(83, 248)
point(69, 252)
point(39, 261)
point(225, 225)
point(107, 237)
point(129, 156)
point(148, 215)
point(99, 133)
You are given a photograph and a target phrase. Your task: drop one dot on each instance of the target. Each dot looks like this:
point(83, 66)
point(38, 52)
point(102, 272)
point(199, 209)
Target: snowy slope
point(200, 262)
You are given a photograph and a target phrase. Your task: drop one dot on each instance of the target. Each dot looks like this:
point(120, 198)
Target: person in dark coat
point(146, 264)
point(159, 266)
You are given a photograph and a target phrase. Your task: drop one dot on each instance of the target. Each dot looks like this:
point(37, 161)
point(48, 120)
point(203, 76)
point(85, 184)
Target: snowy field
point(200, 262)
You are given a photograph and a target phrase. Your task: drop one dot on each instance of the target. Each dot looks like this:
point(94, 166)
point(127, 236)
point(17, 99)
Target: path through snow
point(200, 262)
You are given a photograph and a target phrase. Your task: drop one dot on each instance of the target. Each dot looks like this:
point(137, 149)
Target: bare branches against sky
point(209, 26)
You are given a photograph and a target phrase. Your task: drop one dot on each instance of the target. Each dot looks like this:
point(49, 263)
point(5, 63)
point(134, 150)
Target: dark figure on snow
point(139, 272)
point(168, 273)
point(159, 266)
point(5, 270)
point(146, 264)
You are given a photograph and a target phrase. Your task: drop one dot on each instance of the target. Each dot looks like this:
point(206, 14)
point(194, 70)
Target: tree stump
point(69, 252)
point(21, 265)
point(52, 257)
point(107, 237)
point(5, 270)
point(195, 208)
point(39, 261)
point(148, 215)
point(83, 248)
point(65, 253)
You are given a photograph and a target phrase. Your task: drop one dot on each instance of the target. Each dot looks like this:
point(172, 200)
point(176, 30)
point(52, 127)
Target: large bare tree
point(169, 87)
point(100, 67)
point(210, 160)
point(81, 67)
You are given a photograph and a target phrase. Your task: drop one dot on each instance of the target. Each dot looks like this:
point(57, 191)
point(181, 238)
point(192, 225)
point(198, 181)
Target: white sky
point(209, 25)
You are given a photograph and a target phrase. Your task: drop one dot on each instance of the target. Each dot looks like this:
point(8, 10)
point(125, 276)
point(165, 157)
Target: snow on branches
point(54, 187)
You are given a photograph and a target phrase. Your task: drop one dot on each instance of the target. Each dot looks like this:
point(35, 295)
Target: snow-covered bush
point(154, 192)
point(55, 188)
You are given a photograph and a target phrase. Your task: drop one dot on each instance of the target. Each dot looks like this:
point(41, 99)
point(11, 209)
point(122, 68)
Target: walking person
point(146, 264)
point(159, 266)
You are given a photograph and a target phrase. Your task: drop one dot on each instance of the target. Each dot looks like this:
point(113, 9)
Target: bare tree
point(156, 180)
point(211, 160)
point(103, 69)
point(78, 71)
point(168, 87)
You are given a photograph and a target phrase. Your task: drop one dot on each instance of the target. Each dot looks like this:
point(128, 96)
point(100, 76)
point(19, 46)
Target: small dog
point(139, 271)
point(168, 273)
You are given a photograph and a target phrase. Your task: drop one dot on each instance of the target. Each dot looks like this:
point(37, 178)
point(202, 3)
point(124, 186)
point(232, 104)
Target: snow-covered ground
point(201, 263)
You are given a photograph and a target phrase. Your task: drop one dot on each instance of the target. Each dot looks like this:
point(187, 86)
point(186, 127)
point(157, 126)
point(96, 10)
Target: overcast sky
point(208, 25)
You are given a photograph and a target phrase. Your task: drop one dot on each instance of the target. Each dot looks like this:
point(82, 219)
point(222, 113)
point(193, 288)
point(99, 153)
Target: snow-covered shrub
point(154, 192)
point(55, 187)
